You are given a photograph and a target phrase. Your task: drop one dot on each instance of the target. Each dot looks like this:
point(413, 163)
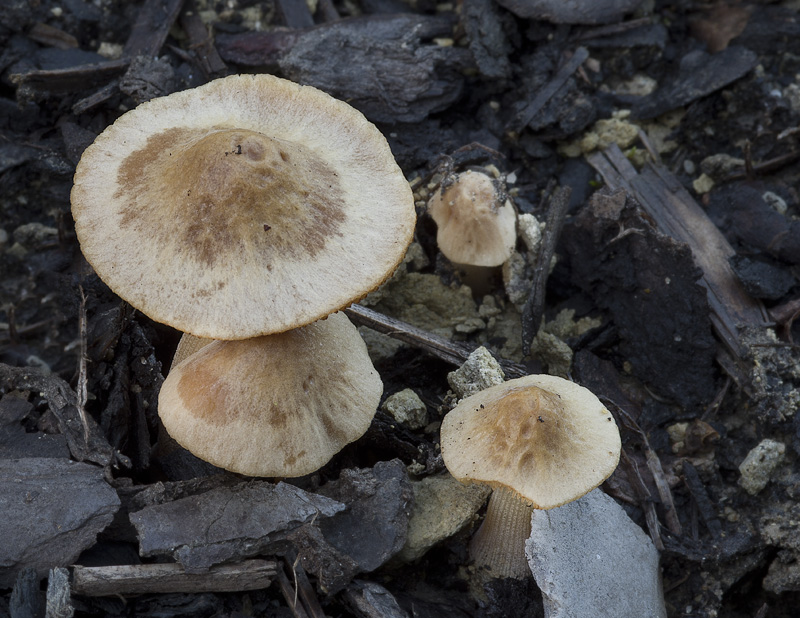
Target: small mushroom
point(540, 441)
point(279, 405)
point(476, 224)
point(244, 207)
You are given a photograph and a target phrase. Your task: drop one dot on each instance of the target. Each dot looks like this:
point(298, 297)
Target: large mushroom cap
point(545, 438)
point(475, 225)
point(279, 405)
point(247, 206)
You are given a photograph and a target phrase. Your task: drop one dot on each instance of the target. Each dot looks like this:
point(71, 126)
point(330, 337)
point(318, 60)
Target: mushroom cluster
point(540, 441)
point(247, 210)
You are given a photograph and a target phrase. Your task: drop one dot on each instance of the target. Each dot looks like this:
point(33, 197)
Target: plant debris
point(650, 152)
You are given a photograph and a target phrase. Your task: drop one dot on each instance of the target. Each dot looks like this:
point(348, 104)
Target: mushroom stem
point(499, 544)
point(479, 279)
point(188, 345)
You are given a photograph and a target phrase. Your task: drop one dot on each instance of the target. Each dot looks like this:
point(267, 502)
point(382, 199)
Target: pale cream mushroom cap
point(547, 439)
point(280, 405)
point(473, 227)
point(247, 206)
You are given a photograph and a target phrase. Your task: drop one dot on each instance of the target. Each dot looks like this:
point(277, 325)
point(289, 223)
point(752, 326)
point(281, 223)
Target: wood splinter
point(161, 578)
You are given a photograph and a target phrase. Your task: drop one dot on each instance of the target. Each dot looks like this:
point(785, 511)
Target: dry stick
point(72, 78)
point(654, 465)
point(701, 499)
point(23, 330)
point(328, 11)
point(645, 498)
point(770, 165)
point(290, 596)
point(82, 379)
point(549, 91)
point(165, 578)
point(612, 29)
point(310, 601)
point(153, 21)
point(200, 41)
point(534, 307)
point(451, 352)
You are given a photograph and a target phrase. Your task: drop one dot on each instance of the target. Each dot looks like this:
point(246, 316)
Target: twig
point(328, 11)
point(645, 498)
point(166, 578)
point(550, 90)
point(714, 405)
point(534, 306)
point(770, 165)
point(654, 465)
point(201, 43)
point(290, 595)
point(611, 29)
point(153, 21)
point(310, 600)
point(82, 379)
point(451, 352)
point(701, 499)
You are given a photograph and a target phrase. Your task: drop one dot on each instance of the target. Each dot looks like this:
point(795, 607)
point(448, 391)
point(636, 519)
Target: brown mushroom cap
point(279, 405)
point(547, 439)
point(473, 226)
point(248, 206)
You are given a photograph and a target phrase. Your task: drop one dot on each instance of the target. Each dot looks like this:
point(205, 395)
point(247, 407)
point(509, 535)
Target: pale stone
point(720, 165)
point(553, 352)
point(590, 559)
point(759, 465)
point(407, 408)
point(481, 370)
point(530, 231)
point(442, 506)
point(517, 279)
point(703, 184)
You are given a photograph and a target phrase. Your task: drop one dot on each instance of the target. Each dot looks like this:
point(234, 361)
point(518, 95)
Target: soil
point(684, 324)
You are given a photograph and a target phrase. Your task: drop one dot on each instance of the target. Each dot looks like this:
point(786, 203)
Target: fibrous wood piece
point(200, 41)
point(677, 214)
point(166, 578)
point(71, 79)
point(63, 403)
point(154, 20)
point(533, 311)
point(701, 498)
point(59, 597)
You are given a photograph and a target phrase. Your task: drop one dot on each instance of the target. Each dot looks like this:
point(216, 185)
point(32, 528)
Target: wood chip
point(165, 578)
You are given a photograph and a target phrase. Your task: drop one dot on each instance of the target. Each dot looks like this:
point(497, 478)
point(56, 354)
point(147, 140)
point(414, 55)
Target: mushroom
point(278, 405)
point(245, 207)
point(540, 441)
point(476, 226)
point(188, 345)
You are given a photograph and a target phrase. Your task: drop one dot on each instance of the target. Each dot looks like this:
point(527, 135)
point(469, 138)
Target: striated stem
point(188, 345)
point(499, 544)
